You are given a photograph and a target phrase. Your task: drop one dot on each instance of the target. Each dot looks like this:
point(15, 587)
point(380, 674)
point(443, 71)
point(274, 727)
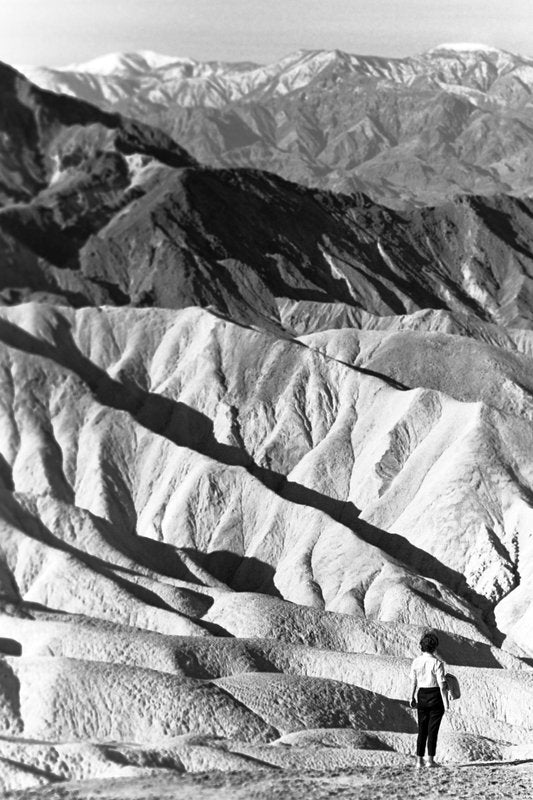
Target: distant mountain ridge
point(419, 129)
point(98, 209)
point(476, 66)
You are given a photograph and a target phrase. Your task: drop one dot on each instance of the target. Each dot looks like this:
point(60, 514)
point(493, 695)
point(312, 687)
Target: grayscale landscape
point(455, 119)
point(266, 406)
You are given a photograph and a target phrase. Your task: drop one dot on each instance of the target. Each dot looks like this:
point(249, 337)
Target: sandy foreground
point(487, 781)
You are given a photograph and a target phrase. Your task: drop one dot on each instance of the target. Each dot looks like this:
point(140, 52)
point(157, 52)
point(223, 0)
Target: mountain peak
point(117, 63)
point(466, 47)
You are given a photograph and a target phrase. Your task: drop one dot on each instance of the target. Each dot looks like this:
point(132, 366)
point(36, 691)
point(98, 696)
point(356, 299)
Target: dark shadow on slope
point(157, 760)
point(24, 520)
point(11, 697)
point(35, 229)
point(27, 609)
point(241, 573)
point(402, 387)
point(500, 223)
point(282, 334)
point(187, 427)
point(6, 475)
point(30, 769)
point(175, 421)
point(122, 577)
point(156, 556)
point(10, 647)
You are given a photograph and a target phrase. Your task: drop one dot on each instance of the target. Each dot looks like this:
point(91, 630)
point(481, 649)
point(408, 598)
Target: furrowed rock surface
point(139, 447)
point(230, 507)
point(59, 729)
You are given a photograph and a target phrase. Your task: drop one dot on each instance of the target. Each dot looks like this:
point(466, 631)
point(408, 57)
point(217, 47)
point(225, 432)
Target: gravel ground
point(484, 781)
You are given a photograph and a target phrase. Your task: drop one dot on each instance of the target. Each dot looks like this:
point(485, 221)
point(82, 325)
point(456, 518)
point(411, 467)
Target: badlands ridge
point(254, 439)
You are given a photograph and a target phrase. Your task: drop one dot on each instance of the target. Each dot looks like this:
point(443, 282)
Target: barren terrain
point(254, 440)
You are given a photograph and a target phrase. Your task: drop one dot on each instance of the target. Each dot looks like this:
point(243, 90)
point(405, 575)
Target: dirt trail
point(487, 781)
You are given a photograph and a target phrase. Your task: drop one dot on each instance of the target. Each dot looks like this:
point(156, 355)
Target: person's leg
point(423, 727)
point(434, 719)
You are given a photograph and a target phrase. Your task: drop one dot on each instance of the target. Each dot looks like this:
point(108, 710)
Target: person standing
point(429, 697)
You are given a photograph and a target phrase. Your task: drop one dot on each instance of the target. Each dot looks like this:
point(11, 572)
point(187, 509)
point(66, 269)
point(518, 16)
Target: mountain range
point(255, 437)
point(110, 211)
point(457, 119)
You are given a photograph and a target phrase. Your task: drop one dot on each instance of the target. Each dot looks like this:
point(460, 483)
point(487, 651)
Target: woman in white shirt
point(431, 699)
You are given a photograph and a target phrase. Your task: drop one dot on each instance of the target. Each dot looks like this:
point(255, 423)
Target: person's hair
point(428, 643)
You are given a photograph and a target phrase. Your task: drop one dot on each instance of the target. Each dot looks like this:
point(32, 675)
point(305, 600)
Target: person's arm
point(413, 686)
point(441, 680)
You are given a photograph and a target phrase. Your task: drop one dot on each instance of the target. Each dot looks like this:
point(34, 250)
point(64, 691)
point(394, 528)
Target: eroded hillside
point(254, 439)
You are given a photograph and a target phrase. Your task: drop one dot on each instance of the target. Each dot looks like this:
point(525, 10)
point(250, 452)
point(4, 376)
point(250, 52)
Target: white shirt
point(428, 671)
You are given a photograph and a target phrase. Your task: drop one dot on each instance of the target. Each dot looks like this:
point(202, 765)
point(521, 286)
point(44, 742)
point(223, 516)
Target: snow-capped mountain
point(456, 119)
point(113, 75)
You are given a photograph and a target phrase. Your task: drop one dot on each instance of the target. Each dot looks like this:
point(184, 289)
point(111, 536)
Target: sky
point(59, 32)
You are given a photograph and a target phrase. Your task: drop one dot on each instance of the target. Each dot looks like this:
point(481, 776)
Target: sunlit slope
point(233, 457)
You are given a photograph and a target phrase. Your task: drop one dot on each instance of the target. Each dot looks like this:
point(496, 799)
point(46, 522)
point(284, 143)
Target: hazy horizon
point(58, 32)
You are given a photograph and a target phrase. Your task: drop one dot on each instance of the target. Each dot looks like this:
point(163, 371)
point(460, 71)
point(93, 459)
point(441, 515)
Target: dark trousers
point(430, 712)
